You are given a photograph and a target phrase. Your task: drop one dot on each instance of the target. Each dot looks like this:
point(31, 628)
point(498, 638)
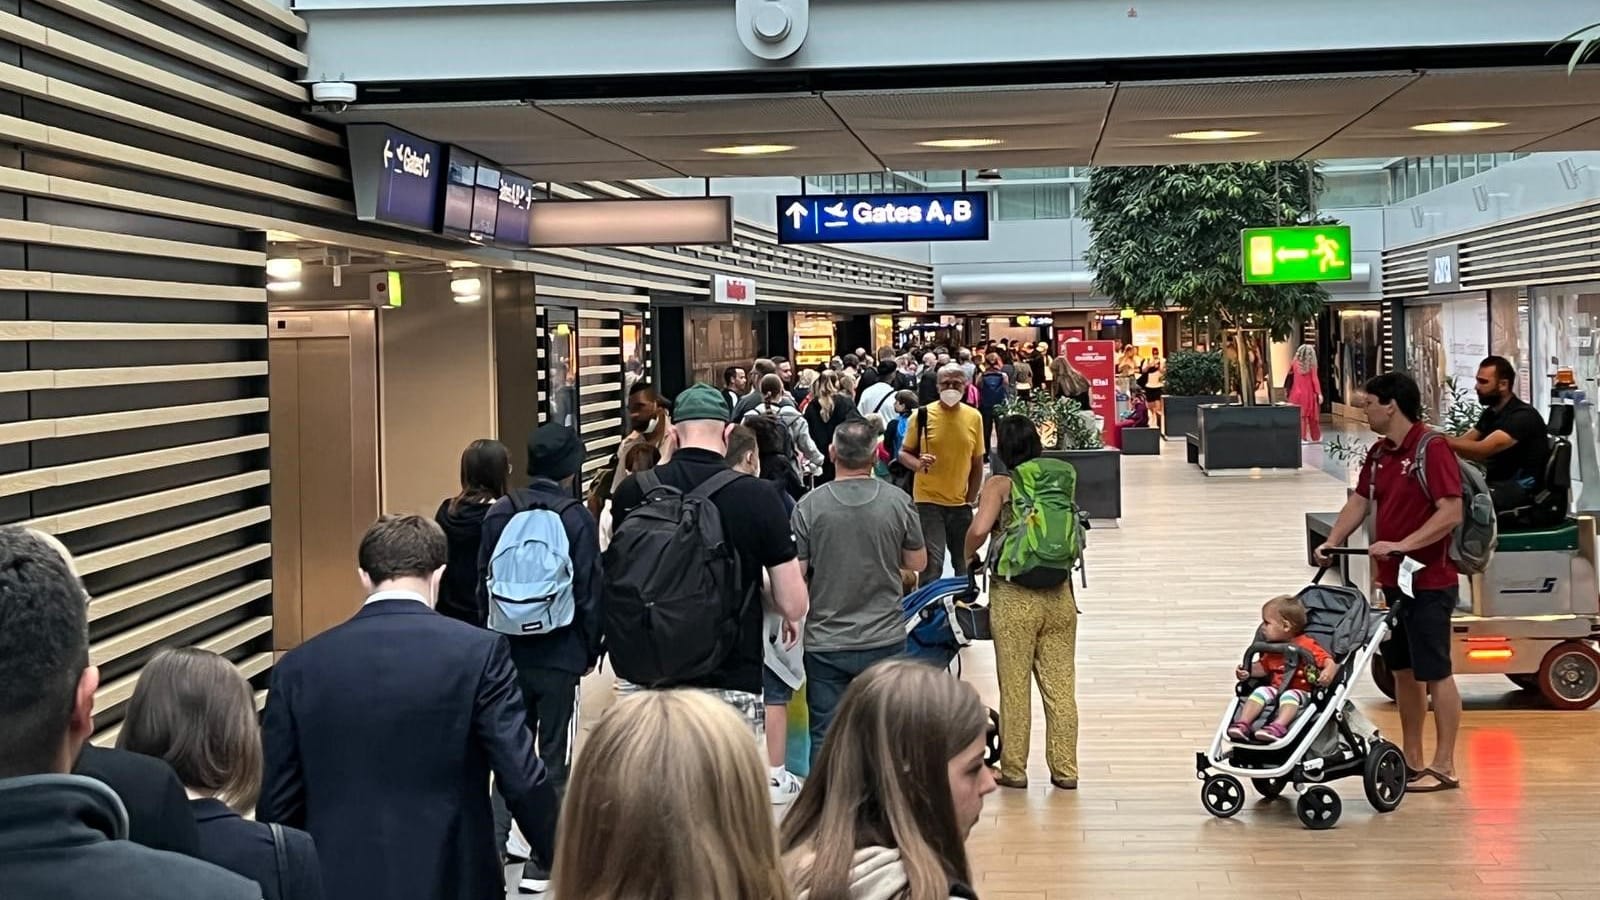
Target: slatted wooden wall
point(141, 147)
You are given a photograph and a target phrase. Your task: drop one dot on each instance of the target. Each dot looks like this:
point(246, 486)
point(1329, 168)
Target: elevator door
point(323, 370)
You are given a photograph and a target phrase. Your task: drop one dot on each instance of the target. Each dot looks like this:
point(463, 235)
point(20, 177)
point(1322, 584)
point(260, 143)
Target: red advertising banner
point(1066, 335)
point(1098, 363)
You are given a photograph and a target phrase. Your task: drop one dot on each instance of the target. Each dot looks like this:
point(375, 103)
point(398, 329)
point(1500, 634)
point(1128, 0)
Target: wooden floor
point(1172, 600)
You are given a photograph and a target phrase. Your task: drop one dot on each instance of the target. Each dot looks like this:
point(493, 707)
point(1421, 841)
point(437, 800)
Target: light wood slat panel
point(614, 368)
point(129, 156)
point(73, 426)
point(114, 286)
point(603, 443)
point(126, 331)
point(600, 332)
point(588, 389)
point(268, 11)
point(241, 34)
point(85, 53)
point(116, 693)
point(97, 103)
point(157, 38)
point(122, 554)
point(135, 639)
point(602, 351)
point(598, 426)
point(607, 315)
point(49, 379)
point(114, 242)
point(591, 408)
point(595, 464)
point(117, 510)
point(76, 473)
point(111, 375)
point(188, 576)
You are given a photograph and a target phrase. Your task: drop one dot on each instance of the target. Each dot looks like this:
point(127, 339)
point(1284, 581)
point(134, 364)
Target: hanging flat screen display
point(396, 176)
point(516, 203)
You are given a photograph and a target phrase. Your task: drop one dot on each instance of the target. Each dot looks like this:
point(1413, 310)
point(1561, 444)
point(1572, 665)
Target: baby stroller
point(1329, 739)
point(940, 619)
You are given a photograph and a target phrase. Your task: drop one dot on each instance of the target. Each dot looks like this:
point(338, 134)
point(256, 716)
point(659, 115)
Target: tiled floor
point(1172, 600)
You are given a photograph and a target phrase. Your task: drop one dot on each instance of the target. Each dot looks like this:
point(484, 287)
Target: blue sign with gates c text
point(883, 218)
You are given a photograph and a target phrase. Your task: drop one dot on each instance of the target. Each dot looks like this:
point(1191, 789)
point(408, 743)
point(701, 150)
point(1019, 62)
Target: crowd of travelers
point(718, 567)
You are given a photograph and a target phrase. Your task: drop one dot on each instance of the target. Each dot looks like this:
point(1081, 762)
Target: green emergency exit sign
point(1297, 254)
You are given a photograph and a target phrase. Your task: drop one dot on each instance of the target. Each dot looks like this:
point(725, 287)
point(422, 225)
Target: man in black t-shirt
point(1510, 438)
point(754, 519)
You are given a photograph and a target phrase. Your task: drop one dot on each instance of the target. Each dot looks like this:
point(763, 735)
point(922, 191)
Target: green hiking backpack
point(1043, 537)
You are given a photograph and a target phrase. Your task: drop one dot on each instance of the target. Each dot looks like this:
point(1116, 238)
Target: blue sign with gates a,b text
point(882, 218)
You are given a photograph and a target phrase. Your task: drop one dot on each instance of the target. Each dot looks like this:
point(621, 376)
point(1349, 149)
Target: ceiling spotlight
point(465, 286)
point(960, 143)
point(988, 174)
point(1459, 126)
point(283, 287)
point(468, 298)
point(1215, 134)
point(750, 149)
point(284, 267)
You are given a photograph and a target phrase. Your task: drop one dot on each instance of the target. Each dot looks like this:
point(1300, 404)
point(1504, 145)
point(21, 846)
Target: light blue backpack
point(530, 571)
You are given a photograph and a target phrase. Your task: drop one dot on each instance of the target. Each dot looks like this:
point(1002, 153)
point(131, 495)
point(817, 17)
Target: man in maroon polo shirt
point(1416, 522)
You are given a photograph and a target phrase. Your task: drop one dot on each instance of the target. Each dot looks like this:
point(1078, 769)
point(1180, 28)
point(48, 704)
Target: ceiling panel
point(893, 124)
point(509, 134)
point(1534, 104)
point(677, 131)
point(1293, 115)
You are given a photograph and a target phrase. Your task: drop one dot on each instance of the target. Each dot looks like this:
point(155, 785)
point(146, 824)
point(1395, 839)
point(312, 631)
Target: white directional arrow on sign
point(388, 155)
point(1287, 253)
point(796, 212)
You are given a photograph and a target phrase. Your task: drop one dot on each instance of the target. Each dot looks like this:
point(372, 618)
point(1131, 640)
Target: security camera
point(336, 96)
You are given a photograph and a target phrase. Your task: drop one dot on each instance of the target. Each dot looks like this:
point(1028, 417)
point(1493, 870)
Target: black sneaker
point(535, 879)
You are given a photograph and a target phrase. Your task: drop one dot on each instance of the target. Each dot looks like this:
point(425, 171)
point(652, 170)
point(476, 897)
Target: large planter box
point(1179, 414)
point(1233, 436)
point(1099, 480)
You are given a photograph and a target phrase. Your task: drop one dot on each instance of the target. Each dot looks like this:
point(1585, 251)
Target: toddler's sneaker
point(783, 786)
point(1272, 732)
point(1239, 733)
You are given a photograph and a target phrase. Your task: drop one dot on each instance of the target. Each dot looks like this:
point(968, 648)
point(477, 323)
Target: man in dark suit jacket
point(380, 735)
point(158, 809)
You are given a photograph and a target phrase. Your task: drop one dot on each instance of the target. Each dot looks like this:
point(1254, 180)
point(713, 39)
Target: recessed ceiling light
point(750, 149)
point(1458, 126)
point(960, 143)
point(1216, 134)
point(283, 287)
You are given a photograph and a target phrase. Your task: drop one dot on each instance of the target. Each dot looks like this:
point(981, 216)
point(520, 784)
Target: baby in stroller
point(1283, 621)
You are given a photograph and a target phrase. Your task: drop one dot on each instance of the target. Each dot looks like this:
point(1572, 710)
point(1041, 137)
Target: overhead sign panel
point(883, 218)
point(631, 223)
point(1297, 254)
point(395, 175)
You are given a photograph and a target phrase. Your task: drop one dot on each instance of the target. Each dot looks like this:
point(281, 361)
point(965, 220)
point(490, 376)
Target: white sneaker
point(783, 788)
point(516, 846)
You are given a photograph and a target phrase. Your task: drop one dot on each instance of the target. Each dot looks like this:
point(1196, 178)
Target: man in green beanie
point(754, 521)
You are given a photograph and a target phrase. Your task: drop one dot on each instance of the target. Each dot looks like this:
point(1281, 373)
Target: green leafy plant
point(1192, 373)
point(1588, 38)
point(1061, 423)
point(1169, 236)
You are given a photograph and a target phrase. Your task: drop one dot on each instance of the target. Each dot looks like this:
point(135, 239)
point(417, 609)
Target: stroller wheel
point(1320, 807)
point(1269, 788)
point(991, 741)
point(1222, 795)
point(1385, 776)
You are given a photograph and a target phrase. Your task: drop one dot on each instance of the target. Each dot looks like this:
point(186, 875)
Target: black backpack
point(791, 451)
point(674, 593)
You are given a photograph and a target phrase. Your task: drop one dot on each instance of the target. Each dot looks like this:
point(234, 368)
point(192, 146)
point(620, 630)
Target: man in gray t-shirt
point(854, 535)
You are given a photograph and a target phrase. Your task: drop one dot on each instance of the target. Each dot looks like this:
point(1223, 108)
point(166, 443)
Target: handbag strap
point(280, 852)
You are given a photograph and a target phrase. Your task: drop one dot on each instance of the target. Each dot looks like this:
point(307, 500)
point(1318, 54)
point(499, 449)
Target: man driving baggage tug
point(1510, 439)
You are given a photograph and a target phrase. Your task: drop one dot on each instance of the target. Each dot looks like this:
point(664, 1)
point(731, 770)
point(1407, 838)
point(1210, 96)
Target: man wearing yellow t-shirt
point(944, 446)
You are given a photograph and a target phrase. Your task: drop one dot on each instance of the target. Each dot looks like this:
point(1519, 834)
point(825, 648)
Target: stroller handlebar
point(1294, 656)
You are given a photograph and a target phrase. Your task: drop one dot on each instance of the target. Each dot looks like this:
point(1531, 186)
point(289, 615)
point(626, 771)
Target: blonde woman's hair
point(826, 392)
point(669, 801)
point(1066, 379)
point(807, 378)
point(1306, 355)
point(883, 780)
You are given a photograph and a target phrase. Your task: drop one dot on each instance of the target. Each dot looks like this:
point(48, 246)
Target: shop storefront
point(1447, 336)
point(813, 338)
point(1350, 351)
point(1022, 329)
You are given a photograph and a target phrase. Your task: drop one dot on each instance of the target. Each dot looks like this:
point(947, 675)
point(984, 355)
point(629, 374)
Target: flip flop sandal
point(1413, 774)
point(1445, 783)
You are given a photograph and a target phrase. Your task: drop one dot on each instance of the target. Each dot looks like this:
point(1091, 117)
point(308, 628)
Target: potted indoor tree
point(1169, 236)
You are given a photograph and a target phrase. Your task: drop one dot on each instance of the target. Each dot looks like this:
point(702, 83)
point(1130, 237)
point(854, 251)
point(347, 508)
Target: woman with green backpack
point(1030, 520)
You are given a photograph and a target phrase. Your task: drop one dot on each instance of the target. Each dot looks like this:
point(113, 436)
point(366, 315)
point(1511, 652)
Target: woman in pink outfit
point(1305, 391)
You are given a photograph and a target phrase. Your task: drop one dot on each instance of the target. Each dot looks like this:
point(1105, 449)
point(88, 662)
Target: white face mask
point(949, 398)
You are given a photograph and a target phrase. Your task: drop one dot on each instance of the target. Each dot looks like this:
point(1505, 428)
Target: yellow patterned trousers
point(1036, 635)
